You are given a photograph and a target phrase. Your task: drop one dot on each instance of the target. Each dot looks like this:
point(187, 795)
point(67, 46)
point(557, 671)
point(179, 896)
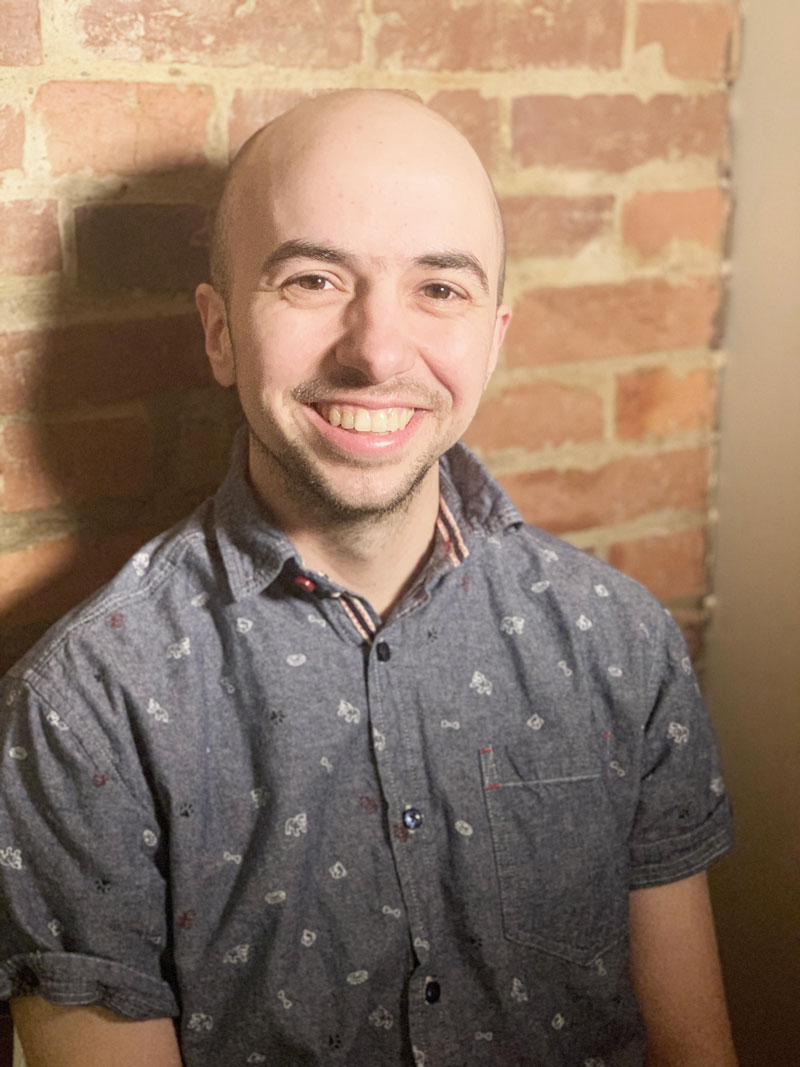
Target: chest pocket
point(560, 863)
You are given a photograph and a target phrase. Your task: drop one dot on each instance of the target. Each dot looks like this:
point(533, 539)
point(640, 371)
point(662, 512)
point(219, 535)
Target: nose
point(376, 340)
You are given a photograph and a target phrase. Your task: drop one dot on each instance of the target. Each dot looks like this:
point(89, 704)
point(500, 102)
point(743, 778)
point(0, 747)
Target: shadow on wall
point(114, 427)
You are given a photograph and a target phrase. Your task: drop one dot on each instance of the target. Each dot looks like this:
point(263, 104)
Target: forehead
point(389, 187)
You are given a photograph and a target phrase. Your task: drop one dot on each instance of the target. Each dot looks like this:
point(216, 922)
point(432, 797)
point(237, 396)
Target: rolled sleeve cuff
point(70, 978)
point(659, 862)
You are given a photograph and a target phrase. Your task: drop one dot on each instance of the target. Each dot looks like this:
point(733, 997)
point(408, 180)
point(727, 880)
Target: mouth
point(365, 420)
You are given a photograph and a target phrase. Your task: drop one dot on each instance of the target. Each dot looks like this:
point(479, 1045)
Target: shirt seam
point(662, 873)
point(108, 602)
point(80, 744)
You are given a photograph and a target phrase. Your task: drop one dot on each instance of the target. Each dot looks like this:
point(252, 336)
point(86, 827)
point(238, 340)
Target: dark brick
point(48, 578)
point(152, 247)
point(44, 465)
point(100, 363)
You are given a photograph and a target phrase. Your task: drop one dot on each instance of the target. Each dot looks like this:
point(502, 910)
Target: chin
point(369, 501)
point(340, 491)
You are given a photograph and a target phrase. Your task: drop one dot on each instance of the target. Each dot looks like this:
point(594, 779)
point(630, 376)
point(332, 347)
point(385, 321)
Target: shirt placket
point(413, 821)
point(398, 748)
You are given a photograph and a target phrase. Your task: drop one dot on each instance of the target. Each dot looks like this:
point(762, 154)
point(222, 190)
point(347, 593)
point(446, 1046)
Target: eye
point(441, 291)
point(311, 282)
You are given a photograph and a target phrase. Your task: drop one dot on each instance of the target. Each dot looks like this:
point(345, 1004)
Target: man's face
point(362, 319)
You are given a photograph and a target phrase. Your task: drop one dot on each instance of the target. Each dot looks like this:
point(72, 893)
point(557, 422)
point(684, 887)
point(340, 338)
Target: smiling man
point(359, 319)
point(353, 766)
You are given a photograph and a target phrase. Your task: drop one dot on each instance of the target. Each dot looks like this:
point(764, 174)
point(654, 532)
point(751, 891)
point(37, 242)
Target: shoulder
point(567, 577)
point(124, 614)
point(576, 610)
point(510, 552)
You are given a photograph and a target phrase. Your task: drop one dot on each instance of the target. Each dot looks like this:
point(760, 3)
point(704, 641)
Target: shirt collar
point(254, 551)
point(478, 504)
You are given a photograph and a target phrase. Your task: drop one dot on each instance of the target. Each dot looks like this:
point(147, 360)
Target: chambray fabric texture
point(222, 800)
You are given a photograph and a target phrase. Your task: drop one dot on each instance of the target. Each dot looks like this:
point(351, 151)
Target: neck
point(378, 561)
point(377, 556)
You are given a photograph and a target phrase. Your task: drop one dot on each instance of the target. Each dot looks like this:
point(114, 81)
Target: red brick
point(150, 247)
point(48, 464)
point(536, 415)
point(305, 33)
point(100, 363)
point(617, 319)
point(124, 128)
point(616, 133)
point(20, 42)
point(12, 138)
point(554, 225)
point(655, 401)
point(254, 108)
point(31, 243)
point(695, 38)
point(478, 119)
point(50, 577)
point(671, 566)
point(497, 35)
point(621, 490)
point(651, 221)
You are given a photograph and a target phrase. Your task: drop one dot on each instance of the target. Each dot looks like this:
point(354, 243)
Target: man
point(353, 767)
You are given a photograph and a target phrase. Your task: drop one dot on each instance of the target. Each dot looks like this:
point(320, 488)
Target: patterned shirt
point(232, 796)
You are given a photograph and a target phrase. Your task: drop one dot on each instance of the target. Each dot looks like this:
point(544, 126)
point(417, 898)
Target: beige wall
point(753, 666)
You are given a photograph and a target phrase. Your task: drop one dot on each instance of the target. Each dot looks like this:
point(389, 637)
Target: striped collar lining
point(455, 549)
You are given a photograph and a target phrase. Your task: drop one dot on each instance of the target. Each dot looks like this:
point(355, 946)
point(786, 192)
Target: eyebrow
point(297, 248)
point(455, 261)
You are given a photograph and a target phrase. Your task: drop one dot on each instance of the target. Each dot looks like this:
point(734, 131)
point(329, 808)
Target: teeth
point(366, 420)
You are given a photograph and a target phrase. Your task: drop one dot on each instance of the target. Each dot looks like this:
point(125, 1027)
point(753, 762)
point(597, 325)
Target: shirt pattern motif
point(226, 786)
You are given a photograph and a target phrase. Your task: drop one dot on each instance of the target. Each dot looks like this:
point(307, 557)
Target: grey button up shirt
point(230, 795)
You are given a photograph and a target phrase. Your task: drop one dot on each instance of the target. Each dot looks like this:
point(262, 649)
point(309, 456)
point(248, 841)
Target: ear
point(215, 325)
point(501, 321)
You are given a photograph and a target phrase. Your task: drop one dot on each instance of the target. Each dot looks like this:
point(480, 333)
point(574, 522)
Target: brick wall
point(604, 126)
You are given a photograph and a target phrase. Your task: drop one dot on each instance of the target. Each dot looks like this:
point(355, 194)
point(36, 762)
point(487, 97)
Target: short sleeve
point(683, 818)
point(84, 915)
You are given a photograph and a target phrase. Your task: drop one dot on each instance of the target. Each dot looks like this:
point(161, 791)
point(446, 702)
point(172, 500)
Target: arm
point(677, 977)
point(60, 1036)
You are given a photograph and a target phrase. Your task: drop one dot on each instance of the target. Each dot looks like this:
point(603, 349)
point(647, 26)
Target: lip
point(351, 442)
point(377, 404)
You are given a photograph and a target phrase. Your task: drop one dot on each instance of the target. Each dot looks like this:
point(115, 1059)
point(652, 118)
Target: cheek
point(270, 353)
point(459, 359)
point(290, 341)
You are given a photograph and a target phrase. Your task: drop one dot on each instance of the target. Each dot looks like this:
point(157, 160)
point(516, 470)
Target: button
point(412, 817)
point(305, 583)
point(432, 992)
point(384, 652)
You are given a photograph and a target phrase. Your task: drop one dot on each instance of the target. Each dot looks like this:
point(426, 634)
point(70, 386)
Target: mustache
point(323, 389)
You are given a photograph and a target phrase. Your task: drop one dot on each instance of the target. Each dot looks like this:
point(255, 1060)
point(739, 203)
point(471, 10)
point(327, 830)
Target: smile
point(365, 420)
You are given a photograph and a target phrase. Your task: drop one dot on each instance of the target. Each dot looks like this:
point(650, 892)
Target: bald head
point(334, 132)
